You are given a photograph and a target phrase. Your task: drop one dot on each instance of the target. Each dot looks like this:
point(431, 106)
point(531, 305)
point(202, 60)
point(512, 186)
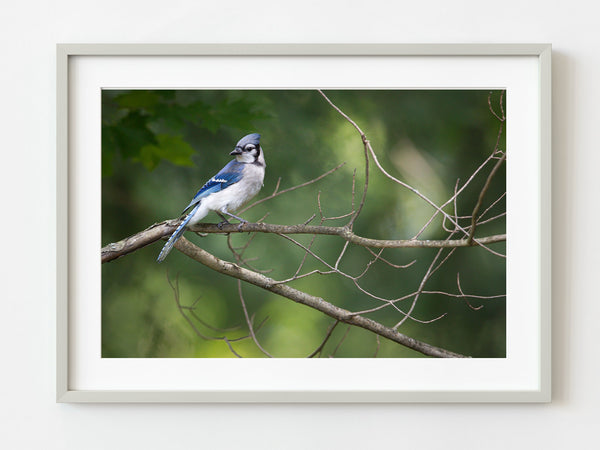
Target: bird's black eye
point(249, 147)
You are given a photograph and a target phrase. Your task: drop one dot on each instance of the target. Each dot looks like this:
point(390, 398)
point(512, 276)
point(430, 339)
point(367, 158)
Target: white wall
point(30, 418)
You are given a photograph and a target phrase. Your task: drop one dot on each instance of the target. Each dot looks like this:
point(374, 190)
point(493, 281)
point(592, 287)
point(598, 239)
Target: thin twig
point(193, 313)
point(395, 266)
point(481, 195)
point(503, 118)
point(175, 289)
point(421, 286)
point(491, 219)
point(249, 322)
point(337, 347)
point(491, 206)
point(378, 345)
point(319, 349)
point(366, 145)
point(277, 193)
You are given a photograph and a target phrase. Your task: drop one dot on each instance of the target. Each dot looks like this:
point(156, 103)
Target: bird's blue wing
point(230, 174)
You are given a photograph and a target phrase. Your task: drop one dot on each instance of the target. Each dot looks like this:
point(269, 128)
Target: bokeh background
point(159, 147)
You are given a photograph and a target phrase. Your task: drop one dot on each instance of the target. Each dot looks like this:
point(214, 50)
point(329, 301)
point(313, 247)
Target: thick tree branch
point(257, 279)
point(132, 243)
point(164, 229)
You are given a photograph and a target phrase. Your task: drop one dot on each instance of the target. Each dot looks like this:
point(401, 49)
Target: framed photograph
point(303, 223)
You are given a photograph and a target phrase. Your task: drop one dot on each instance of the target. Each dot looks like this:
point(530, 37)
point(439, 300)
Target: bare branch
point(366, 145)
point(491, 206)
point(481, 195)
point(166, 228)
point(192, 312)
point(395, 266)
point(378, 345)
point(277, 193)
point(132, 243)
point(457, 193)
point(491, 219)
point(503, 118)
point(337, 347)
point(346, 234)
point(421, 286)
point(257, 279)
point(175, 288)
point(319, 349)
point(249, 322)
point(369, 150)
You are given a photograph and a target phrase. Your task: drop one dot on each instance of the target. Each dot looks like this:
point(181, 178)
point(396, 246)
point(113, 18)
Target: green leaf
point(131, 134)
point(149, 156)
point(171, 148)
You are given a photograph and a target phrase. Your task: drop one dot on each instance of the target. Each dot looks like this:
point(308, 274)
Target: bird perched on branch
point(227, 191)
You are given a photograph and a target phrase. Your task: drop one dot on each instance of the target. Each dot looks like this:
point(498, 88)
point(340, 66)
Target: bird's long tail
point(176, 235)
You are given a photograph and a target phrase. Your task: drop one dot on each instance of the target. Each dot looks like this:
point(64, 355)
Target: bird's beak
point(236, 151)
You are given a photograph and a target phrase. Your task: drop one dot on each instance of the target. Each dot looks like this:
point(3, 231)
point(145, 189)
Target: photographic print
point(303, 223)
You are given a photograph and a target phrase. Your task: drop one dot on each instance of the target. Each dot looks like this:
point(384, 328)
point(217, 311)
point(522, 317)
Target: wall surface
point(30, 418)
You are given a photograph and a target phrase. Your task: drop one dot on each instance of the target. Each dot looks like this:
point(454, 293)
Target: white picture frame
point(535, 385)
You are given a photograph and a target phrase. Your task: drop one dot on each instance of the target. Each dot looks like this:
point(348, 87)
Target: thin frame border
point(64, 51)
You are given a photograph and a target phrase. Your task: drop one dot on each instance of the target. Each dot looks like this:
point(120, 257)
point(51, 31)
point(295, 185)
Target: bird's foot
point(220, 224)
point(241, 225)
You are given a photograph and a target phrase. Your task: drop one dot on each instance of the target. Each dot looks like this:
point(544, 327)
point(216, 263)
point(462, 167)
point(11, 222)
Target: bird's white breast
point(236, 195)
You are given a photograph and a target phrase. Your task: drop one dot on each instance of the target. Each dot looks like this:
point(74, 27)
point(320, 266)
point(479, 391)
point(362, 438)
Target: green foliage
point(151, 126)
point(170, 148)
point(160, 146)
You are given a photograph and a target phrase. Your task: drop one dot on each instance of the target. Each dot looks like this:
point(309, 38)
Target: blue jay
point(228, 190)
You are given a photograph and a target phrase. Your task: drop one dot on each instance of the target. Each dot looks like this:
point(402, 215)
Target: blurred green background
point(160, 146)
